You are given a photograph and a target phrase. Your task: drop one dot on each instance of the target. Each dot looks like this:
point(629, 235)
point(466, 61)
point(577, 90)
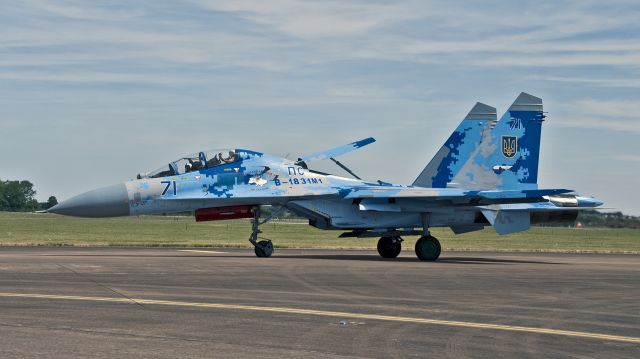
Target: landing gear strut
point(428, 248)
point(263, 248)
point(389, 247)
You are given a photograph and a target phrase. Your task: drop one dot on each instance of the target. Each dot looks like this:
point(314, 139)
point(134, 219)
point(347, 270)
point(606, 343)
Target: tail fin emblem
point(509, 146)
point(515, 123)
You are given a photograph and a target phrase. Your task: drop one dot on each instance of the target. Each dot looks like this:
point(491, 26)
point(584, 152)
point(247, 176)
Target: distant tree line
point(19, 196)
point(609, 220)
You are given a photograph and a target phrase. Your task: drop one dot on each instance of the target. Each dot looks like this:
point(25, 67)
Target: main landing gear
point(263, 248)
point(428, 248)
point(389, 247)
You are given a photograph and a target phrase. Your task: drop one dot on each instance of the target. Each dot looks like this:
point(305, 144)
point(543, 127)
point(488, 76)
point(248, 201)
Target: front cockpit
point(194, 162)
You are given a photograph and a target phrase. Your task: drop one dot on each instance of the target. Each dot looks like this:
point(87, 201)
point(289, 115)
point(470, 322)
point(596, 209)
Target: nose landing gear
point(263, 248)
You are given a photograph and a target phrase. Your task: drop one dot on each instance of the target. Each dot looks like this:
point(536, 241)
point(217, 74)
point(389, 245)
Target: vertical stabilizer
point(508, 157)
point(459, 146)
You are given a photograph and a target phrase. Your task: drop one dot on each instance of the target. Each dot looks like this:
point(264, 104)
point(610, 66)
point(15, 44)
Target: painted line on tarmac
point(323, 313)
point(200, 251)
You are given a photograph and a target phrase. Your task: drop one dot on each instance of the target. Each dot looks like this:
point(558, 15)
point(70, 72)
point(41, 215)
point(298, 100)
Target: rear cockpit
point(194, 162)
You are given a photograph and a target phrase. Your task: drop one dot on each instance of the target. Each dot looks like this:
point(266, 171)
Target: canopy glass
point(194, 162)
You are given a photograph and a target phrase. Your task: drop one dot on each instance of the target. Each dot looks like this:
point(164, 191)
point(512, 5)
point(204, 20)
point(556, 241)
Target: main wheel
point(264, 249)
point(428, 248)
point(389, 247)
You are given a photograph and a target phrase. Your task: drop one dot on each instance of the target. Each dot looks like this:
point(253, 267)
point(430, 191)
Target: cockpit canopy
point(194, 162)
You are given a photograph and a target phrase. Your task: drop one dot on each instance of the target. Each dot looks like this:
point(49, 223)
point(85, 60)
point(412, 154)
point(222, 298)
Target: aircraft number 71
point(168, 184)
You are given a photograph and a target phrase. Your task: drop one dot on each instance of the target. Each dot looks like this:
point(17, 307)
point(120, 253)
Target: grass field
point(158, 231)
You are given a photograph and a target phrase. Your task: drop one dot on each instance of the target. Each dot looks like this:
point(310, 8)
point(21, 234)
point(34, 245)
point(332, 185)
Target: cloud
point(608, 108)
point(97, 77)
point(630, 158)
point(315, 19)
point(612, 115)
point(79, 11)
point(300, 37)
point(601, 82)
point(600, 124)
point(360, 93)
point(563, 60)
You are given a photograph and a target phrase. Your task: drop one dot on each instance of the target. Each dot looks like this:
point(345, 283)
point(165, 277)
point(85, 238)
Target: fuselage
point(251, 178)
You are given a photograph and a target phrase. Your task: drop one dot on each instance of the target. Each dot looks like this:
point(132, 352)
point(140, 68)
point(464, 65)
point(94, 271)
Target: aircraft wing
point(458, 196)
point(338, 151)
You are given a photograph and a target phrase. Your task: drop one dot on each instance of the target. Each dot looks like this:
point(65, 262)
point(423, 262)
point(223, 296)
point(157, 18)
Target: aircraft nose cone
point(112, 201)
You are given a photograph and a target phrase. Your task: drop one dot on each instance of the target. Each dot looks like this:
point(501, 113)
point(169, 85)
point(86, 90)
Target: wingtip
point(364, 142)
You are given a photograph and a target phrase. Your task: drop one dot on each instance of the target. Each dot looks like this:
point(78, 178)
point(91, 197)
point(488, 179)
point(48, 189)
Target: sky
point(94, 92)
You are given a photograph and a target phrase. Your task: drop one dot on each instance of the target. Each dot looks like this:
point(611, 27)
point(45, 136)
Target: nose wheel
point(389, 247)
point(263, 248)
point(428, 248)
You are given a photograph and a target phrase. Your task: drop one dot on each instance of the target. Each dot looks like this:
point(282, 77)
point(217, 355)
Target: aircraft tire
point(428, 248)
point(389, 247)
point(264, 249)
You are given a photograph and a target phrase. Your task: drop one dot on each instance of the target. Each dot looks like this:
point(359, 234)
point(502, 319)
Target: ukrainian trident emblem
point(509, 146)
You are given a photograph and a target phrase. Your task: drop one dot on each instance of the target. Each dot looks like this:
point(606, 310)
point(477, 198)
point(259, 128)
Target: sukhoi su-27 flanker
point(486, 174)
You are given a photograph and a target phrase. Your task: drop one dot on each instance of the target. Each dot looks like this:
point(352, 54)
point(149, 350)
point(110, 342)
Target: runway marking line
point(200, 251)
point(323, 313)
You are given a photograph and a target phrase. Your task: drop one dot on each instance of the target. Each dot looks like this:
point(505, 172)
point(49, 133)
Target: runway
point(193, 302)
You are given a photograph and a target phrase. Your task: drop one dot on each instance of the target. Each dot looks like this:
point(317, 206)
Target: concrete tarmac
point(226, 303)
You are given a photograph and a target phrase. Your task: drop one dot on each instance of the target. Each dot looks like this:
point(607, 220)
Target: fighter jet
point(485, 174)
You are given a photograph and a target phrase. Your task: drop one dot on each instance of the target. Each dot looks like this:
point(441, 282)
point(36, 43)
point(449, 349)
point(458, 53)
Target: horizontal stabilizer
point(505, 222)
point(338, 151)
